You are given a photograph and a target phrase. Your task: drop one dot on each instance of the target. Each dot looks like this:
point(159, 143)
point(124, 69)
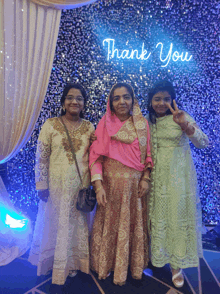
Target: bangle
point(187, 125)
point(98, 189)
point(146, 180)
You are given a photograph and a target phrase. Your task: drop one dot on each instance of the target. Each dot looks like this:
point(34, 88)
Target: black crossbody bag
point(86, 199)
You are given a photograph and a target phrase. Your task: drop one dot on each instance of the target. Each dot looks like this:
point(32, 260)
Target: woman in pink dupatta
point(120, 163)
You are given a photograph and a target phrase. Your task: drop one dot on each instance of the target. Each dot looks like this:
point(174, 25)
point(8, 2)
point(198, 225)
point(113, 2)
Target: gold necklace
point(72, 126)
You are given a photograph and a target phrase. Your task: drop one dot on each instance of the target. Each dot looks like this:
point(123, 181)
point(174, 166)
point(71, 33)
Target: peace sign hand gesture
point(178, 115)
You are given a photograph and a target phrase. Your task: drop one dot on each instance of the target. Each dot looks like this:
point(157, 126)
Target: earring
point(64, 109)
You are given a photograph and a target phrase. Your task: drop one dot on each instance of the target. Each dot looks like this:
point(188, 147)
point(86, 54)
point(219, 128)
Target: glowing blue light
point(113, 52)
point(15, 223)
point(175, 56)
point(9, 218)
point(148, 272)
point(125, 54)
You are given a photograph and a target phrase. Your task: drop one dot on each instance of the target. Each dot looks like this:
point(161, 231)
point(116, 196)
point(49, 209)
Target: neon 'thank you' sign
point(143, 54)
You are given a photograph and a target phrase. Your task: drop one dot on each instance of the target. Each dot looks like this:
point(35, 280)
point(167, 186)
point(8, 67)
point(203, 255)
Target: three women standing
point(120, 163)
point(61, 234)
point(174, 207)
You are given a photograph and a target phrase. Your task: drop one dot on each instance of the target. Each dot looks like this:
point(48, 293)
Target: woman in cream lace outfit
point(60, 240)
point(175, 212)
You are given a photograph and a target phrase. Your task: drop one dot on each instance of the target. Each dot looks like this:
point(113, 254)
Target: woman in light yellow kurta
point(174, 207)
point(61, 234)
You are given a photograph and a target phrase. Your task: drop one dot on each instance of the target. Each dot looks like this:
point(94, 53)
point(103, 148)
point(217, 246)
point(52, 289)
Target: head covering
point(111, 128)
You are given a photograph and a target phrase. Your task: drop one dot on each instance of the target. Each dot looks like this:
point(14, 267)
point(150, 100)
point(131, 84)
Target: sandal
point(177, 283)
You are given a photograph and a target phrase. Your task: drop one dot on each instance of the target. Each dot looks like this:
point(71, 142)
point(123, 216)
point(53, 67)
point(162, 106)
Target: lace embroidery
point(42, 165)
point(141, 128)
point(120, 236)
point(127, 133)
point(135, 126)
point(199, 139)
point(75, 136)
point(174, 209)
point(60, 239)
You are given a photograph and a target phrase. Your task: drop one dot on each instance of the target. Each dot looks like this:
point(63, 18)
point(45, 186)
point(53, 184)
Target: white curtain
point(28, 35)
point(63, 4)
point(27, 45)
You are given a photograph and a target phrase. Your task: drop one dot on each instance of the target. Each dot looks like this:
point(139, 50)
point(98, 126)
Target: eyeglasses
point(78, 98)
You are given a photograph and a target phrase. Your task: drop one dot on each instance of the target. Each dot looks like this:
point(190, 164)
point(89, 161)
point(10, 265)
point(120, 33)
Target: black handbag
point(86, 199)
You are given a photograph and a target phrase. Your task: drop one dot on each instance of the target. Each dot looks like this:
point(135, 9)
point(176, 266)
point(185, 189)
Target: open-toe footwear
point(177, 282)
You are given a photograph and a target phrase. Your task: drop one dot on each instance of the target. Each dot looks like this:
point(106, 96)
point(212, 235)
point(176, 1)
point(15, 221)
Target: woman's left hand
point(143, 188)
point(178, 115)
point(92, 137)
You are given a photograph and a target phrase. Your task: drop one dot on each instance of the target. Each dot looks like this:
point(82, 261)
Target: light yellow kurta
point(174, 206)
point(61, 233)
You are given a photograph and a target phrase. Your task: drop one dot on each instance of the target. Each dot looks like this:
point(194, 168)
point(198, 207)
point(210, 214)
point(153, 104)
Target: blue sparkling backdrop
point(191, 25)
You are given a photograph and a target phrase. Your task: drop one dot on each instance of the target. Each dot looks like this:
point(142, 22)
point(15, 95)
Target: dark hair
point(120, 85)
point(161, 86)
point(65, 92)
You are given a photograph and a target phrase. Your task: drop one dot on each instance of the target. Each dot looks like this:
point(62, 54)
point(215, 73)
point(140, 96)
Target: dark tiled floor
point(20, 277)
point(211, 241)
point(82, 284)
point(209, 283)
point(211, 257)
point(164, 275)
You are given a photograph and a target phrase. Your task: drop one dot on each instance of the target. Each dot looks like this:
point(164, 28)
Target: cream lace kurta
point(175, 211)
point(61, 233)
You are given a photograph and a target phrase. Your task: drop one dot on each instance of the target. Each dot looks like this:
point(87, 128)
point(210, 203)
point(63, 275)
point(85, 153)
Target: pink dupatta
point(128, 142)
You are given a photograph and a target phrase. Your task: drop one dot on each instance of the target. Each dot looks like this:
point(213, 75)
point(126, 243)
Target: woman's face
point(74, 102)
point(121, 102)
point(159, 101)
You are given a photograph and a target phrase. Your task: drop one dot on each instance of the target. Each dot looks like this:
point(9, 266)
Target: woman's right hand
point(101, 196)
point(43, 195)
point(93, 137)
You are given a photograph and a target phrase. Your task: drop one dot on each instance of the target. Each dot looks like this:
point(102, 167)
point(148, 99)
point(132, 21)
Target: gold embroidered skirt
point(119, 237)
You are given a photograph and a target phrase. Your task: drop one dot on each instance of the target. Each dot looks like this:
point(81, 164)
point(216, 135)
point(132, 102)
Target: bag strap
point(72, 149)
